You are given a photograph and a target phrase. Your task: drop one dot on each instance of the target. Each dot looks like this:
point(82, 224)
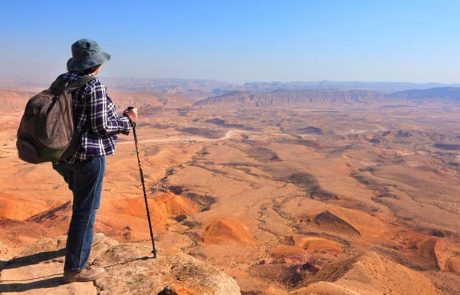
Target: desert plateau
point(274, 190)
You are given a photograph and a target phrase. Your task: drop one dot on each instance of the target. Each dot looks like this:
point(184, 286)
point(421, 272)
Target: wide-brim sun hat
point(86, 54)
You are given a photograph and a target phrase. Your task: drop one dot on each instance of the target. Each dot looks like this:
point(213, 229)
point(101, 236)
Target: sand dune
point(331, 222)
point(21, 208)
point(316, 244)
point(227, 229)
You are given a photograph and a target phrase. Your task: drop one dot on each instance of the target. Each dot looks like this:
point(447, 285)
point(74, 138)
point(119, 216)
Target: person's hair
point(89, 71)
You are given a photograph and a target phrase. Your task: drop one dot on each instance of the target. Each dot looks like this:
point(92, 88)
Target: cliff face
point(439, 93)
point(292, 98)
point(130, 270)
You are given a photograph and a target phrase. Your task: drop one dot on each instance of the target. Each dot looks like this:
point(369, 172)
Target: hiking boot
point(97, 238)
point(87, 274)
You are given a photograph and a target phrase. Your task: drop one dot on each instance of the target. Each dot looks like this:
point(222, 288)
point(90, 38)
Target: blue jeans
point(85, 181)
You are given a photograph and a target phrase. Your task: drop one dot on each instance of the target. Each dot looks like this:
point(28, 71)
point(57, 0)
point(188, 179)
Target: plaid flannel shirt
point(96, 117)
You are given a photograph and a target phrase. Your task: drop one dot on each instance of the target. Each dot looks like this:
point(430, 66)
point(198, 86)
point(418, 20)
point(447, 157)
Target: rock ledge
point(38, 270)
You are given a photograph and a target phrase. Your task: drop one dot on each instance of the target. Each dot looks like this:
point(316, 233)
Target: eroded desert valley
point(287, 191)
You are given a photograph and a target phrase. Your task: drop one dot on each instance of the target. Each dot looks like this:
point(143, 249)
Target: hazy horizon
point(48, 78)
point(240, 42)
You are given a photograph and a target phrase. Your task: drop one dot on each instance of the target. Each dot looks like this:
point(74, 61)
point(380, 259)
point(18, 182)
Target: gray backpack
point(47, 132)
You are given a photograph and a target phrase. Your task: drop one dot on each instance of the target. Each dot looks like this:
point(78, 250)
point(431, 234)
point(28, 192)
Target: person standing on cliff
point(96, 119)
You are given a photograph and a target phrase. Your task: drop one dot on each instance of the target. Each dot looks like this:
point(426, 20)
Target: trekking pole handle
point(132, 123)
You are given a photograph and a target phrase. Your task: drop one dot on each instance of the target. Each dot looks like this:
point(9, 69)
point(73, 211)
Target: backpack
point(47, 132)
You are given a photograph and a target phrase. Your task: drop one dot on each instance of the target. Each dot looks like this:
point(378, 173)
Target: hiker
point(96, 119)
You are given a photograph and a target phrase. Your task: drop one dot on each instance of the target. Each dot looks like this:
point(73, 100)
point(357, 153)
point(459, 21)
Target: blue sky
point(239, 41)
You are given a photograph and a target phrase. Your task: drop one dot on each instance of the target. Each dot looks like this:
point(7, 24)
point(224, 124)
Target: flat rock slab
point(41, 278)
point(130, 270)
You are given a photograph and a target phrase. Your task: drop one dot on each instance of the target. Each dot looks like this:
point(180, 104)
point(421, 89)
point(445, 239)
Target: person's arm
point(98, 112)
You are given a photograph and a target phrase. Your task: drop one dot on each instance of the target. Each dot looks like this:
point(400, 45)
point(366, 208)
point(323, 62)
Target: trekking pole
point(154, 251)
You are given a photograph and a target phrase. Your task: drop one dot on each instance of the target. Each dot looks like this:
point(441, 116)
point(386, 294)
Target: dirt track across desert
point(228, 135)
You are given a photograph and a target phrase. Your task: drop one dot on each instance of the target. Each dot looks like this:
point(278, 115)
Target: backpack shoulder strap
point(58, 85)
point(80, 82)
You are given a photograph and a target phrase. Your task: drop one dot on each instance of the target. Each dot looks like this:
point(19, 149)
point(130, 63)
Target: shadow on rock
point(26, 286)
point(32, 259)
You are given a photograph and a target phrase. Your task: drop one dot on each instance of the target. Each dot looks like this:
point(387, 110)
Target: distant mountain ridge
point(289, 98)
point(309, 97)
point(387, 87)
point(215, 87)
point(450, 93)
point(201, 93)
